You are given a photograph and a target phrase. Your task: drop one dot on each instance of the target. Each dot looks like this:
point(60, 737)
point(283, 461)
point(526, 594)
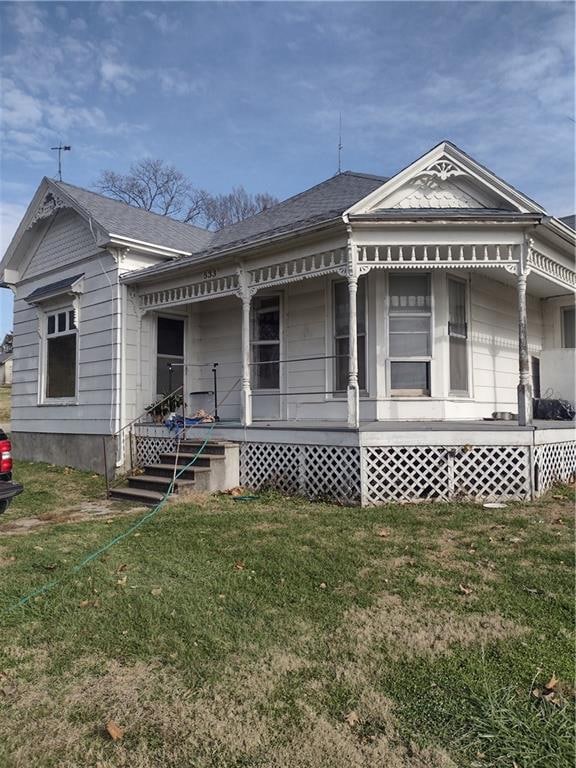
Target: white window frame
point(183, 319)
point(563, 311)
point(272, 295)
point(69, 309)
point(462, 393)
point(331, 392)
point(417, 393)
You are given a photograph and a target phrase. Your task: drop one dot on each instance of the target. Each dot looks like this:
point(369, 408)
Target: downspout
point(118, 255)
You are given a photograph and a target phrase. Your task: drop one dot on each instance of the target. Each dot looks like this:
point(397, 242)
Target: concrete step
point(149, 498)
point(167, 470)
point(160, 484)
point(200, 459)
point(211, 449)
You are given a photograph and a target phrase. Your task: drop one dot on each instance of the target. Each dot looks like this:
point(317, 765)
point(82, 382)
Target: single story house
point(359, 335)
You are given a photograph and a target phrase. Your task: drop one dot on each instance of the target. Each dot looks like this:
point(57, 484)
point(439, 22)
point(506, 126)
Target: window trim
point(417, 393)
point(68, 308)
point(462, 393)
point(563, 311)
point(272, 295)
point(339, 394)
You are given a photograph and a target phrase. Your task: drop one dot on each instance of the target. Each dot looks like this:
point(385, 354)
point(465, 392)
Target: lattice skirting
point(147, 449)
point(315, 471)
point(555, 462)
point(411, 473)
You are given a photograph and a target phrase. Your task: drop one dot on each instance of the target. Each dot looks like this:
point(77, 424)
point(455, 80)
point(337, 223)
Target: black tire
point(3, 506)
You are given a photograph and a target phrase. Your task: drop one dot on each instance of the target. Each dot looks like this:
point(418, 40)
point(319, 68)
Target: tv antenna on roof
point(61, 148)
point(340, 145)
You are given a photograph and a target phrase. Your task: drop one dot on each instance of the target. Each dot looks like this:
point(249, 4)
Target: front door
point(265, 357)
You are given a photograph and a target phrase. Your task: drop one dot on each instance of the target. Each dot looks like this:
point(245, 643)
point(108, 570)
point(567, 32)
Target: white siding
point(94, 412)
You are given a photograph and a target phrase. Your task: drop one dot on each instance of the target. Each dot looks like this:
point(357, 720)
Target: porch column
point(353, 389)
point(245, 391)
point(525, 379)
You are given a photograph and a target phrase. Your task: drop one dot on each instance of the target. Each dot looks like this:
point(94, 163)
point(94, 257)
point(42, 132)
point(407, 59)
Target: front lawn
point(295, 635)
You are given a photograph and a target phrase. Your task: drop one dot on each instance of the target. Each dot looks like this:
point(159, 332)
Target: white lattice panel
point(147, 449)
point(265, 465)
point(315, 471)
point(406, 473)
point(409, 473)
point(492, 473)
point(555, 462)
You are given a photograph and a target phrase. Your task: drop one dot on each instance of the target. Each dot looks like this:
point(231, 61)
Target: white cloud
point(10, 217)
point(162, 22)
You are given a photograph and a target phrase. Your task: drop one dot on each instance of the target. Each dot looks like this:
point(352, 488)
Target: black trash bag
point(554, 409)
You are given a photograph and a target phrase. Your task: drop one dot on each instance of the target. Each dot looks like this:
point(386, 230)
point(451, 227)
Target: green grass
point(229, 634)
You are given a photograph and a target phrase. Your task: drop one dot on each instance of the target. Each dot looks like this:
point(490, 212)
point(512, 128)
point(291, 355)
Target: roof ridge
point(123, 202)
point(300, 194)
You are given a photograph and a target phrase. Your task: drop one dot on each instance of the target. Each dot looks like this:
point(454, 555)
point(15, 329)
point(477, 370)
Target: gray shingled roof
point(126, 220)
point(323, 202)
point(320, 204)
point(53, 289)
point(570, 220)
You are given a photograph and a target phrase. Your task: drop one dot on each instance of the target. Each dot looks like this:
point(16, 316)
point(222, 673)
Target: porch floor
point(479, 425)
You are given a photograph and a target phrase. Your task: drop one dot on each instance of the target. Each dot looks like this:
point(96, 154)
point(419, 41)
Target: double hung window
point(409, 334)
point(265, 342)
point(568, 327)
point(341, 304)
point(61, 337)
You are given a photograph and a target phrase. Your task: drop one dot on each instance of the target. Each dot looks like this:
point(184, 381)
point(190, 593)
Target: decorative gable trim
point(51, 203)
point(442, 163)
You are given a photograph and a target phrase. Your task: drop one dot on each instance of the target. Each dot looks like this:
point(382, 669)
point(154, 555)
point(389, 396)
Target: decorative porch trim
point(296, 269)
point(51, 203)
point(206, 287)
point(547, 267)
point(438, 256)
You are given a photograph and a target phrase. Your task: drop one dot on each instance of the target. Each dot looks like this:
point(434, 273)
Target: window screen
point(266, 342)
point(170, 355)
point(409, 333)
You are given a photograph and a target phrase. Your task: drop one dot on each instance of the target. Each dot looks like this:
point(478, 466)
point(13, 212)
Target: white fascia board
point(449, 151)
point(142, 245)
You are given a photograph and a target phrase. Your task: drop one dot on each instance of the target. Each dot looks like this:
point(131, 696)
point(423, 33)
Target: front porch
point(380, 462)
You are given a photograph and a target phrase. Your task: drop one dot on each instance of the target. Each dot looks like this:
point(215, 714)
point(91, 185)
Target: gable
point(445, 178)
point(63, 240)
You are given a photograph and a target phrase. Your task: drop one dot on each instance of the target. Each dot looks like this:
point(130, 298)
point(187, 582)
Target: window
point(409, 334)
point(341, 305)
point(61, 354)
point(458, 336)
point(169, 355)
point(568, 327)
point(265, 342)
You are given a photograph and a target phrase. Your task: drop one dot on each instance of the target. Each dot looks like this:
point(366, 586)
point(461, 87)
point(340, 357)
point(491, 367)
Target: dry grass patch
point(166, 723)
point(409, 628)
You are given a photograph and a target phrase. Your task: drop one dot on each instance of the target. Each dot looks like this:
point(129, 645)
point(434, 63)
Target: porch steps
point(215, 467)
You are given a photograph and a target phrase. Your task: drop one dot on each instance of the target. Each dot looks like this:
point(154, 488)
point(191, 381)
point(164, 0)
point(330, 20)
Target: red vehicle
point(8, 489)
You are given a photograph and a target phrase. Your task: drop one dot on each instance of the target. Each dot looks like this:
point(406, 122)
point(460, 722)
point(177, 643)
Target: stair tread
point(160, 479)
point(137, 492)
point(171, 467)
point(184, 455)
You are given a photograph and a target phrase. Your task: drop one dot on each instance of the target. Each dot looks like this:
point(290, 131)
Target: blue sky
point(250, 93)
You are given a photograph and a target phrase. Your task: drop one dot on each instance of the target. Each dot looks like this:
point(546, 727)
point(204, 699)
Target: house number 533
point(209, 274)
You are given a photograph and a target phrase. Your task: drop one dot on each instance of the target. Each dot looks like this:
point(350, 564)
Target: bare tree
point(162, 188)
point(155, 186)
point(223, 210)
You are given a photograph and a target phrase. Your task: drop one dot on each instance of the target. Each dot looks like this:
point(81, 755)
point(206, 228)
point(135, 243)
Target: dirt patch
point(78, 514)
point(167, 723)
point(410, 628)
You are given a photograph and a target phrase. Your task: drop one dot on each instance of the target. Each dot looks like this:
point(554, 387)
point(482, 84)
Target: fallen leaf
point(352, 719)
point(38, 548)
point(383, 533)
point(156, 591)
point(114, 731)
point(464, 590)
point(122, 567)
point(239, 565)
point(552, 683)
point(122, 582)
point(515, 540)
point(323, 585)
point(50, 566)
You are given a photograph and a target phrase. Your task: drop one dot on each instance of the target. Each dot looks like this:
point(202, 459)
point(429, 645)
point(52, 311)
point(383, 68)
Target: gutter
point(153, 272)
